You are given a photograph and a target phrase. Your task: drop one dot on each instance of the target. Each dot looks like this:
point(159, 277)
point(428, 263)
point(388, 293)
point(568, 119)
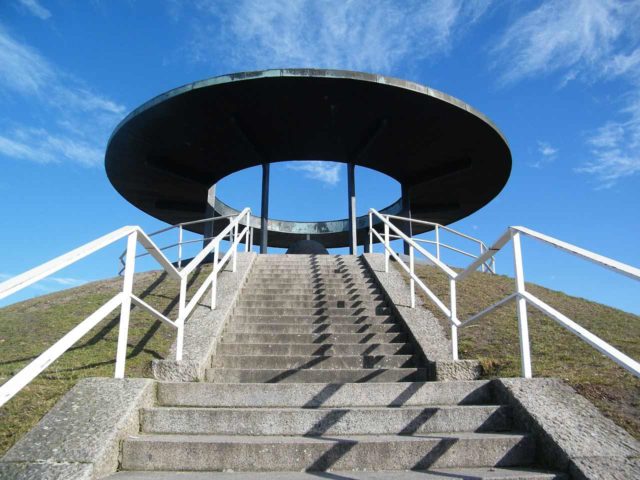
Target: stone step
point(314, 395)
point(238, 375)
point(310, 269)
point(475, 473)
point(314, 349)
point(299, 290)
point(301, 311)
point(316, 338)
point(272, 327)
point(286, 296)
point(307, 282)
point(325, 421)
point(315, 319)
point(247, 302)
point(379, 452)
point(312, 362)
point(308, 277)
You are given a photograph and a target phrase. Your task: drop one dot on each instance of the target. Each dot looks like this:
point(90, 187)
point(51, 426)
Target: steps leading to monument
point(314, 373)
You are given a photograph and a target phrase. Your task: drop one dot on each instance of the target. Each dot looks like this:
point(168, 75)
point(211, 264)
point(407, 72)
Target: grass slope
point(30, 327)
point(555, 351)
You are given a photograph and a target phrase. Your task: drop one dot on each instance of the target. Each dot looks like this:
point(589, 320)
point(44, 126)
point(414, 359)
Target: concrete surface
point(79, 437)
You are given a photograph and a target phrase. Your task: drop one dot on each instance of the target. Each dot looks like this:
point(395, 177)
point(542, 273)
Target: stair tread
point(477, 473)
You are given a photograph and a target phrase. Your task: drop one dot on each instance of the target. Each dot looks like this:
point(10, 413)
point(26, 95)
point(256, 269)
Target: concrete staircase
point(315, 373)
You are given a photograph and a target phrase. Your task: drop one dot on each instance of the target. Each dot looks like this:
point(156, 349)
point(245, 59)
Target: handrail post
point(387, 246)
point(234, 245)
point(521, 305)
point(370, 233)
point(412, 281)
point(125, 309)
point(484, 266)
point(214, 280)
point(437, 243)
point(454, 316)
point(182, 304)
point(180, 247)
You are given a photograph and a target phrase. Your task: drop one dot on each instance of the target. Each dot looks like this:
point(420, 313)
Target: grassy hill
point(28, 328)
point(555, 351)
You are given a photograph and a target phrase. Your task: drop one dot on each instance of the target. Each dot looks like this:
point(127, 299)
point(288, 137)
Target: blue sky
point(560, 78)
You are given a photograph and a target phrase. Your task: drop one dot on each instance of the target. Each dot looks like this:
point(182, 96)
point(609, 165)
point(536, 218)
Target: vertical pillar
point(405, 227)
point(210, 212)
point(264, 210)
point(351, 182)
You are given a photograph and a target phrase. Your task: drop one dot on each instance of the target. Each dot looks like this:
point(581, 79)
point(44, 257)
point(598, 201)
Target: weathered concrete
point(422, 323)
point(264, 375)
point(313, 395)
point(296, 453)
point(79, 438)
point(203, 328)
point(571, 433)
point(324, 421)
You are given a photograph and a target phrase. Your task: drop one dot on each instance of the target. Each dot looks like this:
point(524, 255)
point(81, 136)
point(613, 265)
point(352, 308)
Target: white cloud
point(579, 37)
point(29, 83)
point(615, 148)
point(374, 35)
point(547, 154)
point(36, 9)
point(325, 172)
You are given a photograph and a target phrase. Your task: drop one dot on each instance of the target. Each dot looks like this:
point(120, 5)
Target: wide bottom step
point(438, 474)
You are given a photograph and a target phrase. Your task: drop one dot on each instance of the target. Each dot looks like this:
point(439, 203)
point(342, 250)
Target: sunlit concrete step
point(308, 282)
point(248, 302)
point(320, 290)
point(302, 311)
point(312, 362)
point(317, 338)
point(476, 473)
point(294, 375)
point(272, 327)
point(287, 297)
point(314, 395)
point(276, 453)
point(315, 319)
point(324, 421)
point(359, 269)
point(314, 349)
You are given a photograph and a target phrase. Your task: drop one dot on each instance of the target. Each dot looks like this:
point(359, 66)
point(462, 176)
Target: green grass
point(555, 351)
point(30, 327)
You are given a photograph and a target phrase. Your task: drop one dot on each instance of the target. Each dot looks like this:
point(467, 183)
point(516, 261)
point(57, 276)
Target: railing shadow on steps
point(485, 260)
point(126, 298)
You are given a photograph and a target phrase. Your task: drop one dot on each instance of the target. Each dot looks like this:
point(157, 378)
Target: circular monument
point(168, 154)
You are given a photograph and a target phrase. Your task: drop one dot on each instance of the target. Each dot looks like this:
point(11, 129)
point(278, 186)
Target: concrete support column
point(209, 213)
point(264, 210)
point(351, 182)
point(405, 227)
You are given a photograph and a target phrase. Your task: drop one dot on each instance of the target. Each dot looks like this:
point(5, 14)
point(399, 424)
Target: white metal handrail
point(125, 298)
point(180, 242)
point(520, 295)
point(439, 244)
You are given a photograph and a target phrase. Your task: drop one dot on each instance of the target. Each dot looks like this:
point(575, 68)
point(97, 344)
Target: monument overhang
point(449, 158)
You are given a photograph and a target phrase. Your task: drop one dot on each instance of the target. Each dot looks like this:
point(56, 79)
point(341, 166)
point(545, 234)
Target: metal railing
point(520, 295)
point(437, 228)
point(126, 297)
point(180, 228)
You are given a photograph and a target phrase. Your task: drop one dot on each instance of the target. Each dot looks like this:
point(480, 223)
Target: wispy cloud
point(49, 284)
point(31, 84)
point(35, 8)
point(575, 37)
point(374, 35)
point(546, 154)
point(327, 173)
point(589, 40)
point(615, 148)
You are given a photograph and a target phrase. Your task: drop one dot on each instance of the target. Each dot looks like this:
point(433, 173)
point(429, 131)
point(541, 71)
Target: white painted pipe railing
point(520, 295)
point(125, 298)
